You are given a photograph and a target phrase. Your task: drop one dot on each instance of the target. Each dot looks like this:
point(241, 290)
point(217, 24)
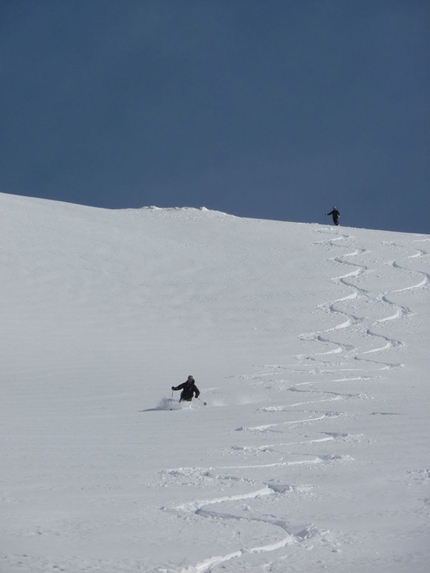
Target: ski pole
point(204, 403)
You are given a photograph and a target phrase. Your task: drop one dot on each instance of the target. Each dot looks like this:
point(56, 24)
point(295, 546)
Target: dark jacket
point(189, 389)
point(335, 215)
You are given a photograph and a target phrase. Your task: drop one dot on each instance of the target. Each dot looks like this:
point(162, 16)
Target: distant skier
point(335, 215)
point(189, 389)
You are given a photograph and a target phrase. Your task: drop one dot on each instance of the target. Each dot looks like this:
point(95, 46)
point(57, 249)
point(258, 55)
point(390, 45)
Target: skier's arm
point(180, 387)
point(196, 391)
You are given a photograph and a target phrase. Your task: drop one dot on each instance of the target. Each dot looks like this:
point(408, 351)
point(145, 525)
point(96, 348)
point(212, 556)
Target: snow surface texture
point(309, 344)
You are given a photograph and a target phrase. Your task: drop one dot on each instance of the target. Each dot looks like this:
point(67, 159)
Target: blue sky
point(272, 109)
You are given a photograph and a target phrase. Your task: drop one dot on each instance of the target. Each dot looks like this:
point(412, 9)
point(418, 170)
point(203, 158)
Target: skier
point(335, 214)
point(189, 389)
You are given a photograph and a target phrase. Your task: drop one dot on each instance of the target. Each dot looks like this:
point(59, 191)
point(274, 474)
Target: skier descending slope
point(189, 389)
point(335, 215)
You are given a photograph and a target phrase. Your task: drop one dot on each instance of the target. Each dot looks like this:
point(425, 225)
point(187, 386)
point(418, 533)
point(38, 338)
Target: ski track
point(294, 533)
point(291, 453)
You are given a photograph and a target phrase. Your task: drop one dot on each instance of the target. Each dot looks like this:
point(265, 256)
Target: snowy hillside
point(309, 344)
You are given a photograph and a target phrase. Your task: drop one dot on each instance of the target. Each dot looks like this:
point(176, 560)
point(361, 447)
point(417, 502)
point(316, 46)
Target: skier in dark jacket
point(335, 214)
point(189, 389)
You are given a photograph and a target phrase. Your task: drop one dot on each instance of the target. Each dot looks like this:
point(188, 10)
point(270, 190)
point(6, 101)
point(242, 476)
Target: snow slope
point(309, 344)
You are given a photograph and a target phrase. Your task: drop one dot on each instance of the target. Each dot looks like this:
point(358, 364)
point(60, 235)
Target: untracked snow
point(309, 344)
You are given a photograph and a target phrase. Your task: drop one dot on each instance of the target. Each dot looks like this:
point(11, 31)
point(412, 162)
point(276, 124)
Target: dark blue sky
point(261, 108)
